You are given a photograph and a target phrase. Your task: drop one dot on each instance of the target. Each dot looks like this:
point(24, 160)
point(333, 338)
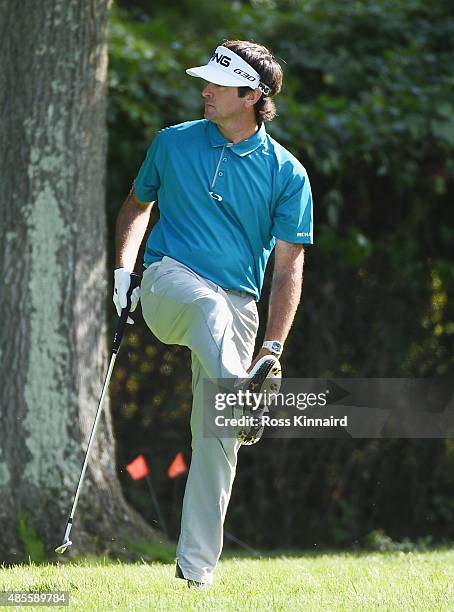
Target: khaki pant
point(181, 307)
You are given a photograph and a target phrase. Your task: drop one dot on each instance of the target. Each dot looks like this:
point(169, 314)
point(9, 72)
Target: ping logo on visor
point(224, 60)
point(227, 68)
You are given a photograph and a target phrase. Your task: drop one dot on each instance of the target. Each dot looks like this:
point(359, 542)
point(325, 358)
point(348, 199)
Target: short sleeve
point(148, 179)
point(293, 214)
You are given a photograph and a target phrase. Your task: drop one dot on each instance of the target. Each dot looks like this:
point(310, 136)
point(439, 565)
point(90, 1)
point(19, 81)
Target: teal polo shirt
point(223, 205)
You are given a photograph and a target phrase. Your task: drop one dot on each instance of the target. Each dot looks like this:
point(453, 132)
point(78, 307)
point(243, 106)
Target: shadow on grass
point(155, 552)
point(132, 551)
point(135, 550)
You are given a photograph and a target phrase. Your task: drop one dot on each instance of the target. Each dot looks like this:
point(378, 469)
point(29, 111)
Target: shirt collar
point(243, 148)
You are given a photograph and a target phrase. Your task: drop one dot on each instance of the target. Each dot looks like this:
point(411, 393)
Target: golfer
point(228, 194)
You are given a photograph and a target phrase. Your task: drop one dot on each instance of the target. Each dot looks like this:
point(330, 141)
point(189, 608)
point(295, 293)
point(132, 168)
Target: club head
point(61, 549)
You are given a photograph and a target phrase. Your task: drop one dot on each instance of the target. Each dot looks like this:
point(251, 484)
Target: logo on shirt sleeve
point(304, 234)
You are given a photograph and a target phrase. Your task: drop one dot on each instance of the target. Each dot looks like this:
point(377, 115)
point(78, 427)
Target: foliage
point(368, 107)
point(32, 543)
point(378, 540)
point(153, 551)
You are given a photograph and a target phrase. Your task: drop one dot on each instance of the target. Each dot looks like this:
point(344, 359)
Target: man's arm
point(132, 223)
point(285, 292)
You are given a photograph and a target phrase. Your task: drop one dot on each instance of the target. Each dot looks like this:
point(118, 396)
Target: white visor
point(228, 68)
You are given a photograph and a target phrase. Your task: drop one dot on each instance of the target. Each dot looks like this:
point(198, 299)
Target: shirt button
point(225, 159)
point(220, 173)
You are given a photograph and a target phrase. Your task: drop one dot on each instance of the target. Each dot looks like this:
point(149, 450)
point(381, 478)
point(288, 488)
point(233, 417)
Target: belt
point(239, 293)
point(232, 291)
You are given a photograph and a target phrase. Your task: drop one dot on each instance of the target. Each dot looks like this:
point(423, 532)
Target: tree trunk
point(53, 297)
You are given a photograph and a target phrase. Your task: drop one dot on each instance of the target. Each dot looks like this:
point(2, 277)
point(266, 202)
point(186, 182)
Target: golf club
point(135, 282)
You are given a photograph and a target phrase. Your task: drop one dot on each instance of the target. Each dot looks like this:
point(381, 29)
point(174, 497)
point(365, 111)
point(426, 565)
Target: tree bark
point(53, 297)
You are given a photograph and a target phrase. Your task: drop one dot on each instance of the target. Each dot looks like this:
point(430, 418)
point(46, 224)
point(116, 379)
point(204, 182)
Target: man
point(227, 194)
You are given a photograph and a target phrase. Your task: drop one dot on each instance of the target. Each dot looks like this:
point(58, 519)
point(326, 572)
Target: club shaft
point(92, 434)
point(121, 325)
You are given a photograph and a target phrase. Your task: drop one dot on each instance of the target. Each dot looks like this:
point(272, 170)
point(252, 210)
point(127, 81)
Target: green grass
point(329, 582)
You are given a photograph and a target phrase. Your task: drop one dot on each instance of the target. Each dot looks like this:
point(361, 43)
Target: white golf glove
point(122, 280)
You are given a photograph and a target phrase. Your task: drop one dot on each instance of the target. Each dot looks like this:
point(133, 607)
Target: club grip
point(135, 282)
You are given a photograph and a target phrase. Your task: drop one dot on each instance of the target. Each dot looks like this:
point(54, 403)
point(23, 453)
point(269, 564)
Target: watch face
point(276, 347)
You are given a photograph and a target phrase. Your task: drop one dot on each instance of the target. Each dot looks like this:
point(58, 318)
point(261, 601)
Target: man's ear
point(253, 96)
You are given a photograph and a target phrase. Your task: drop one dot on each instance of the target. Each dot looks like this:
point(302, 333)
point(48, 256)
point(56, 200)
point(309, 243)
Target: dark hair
point(269, 69)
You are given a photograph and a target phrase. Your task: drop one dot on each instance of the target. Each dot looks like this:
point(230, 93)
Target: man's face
point(223, 103)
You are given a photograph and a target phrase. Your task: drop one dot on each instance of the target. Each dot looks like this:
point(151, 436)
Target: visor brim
point(216, 76)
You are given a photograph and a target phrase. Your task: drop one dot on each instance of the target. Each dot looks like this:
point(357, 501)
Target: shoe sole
point(269, 369)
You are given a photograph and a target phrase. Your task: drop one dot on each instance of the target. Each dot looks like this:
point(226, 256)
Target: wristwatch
point(274, 346)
